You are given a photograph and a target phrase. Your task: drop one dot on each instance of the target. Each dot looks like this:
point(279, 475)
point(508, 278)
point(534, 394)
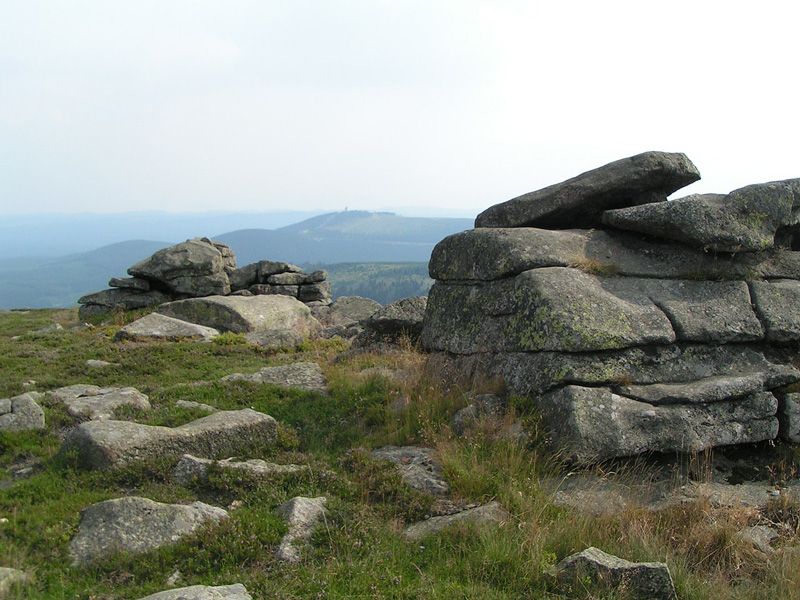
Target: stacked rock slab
point(202, 267)
point(634, 323)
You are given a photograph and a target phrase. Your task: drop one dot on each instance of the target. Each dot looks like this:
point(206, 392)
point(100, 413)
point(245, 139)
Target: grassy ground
point(357, 552)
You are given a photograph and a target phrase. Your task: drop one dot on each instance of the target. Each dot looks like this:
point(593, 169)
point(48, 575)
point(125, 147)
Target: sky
point(410, 105)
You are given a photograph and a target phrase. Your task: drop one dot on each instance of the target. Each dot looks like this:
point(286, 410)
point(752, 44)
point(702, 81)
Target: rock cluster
point(201, 267)
point(21, 413)
point(634, 323)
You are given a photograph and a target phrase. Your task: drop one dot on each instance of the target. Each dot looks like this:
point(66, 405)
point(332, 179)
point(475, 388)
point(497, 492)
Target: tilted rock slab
point(203, 592)
point(419, 467)
point(641, 581)
point(302, 515)
point(21, 413)
point(135, 525)
point(273, 321)
point(641, 179)
point(746, 220)
point(300, 375)
point(109, 444)
point(191, 468)
point(94, 402)
point(492, 512)
point(156, 326)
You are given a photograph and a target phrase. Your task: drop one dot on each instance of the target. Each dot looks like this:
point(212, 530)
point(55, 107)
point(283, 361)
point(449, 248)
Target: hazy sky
point(453, 105)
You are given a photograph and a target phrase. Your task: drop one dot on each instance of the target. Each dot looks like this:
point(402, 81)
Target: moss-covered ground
point(357, 552)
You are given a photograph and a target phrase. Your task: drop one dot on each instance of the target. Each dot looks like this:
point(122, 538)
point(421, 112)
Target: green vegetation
point(357, 552)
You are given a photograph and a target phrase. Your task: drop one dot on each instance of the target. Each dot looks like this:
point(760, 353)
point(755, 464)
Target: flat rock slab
point(156, 326)
point(418, 466)
point(746, 220)
point(302, 515)
point(641, 581)
point(93, 363)
point(243, 314)
point(9, 578)
point(21, 413)
point(203, 592)
point(710, 389)
point(644, 178)
point(96, 403)
point(135, 525)
point(192, 405)
point(191, 468)
point(532, 373)
point(491, 254)
point(492, 512)
point(300, 375)
point(594, 424)
point(108, 444)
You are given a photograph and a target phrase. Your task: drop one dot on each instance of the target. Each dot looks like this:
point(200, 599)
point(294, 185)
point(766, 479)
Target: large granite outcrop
point(202, 267)
point(665, 326)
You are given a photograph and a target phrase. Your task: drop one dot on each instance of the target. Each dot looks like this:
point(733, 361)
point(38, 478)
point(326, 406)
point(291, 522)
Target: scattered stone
point(93, 402)
point(196, 406)
point(483, 406)
point(9, 579)
point(418, 466)
point(273, 321)
point(641, 179)
point(174, 579)
point(302, 515)
point(641, 581)
point(306, 376)
point(746, 220)
point(30, 383)
point(21, 413)
point(156, 326)
point(593, 424)
point(108, 444)
point(760, 537)
point(203, 592)
point(47, 330)
point(191, 468)
point(487, 513)
point(93, 363)
point(135, 525)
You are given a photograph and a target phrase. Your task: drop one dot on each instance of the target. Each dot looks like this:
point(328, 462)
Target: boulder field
point(634, 323)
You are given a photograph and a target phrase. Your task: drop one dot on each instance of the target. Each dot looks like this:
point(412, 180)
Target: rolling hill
point(352, 237)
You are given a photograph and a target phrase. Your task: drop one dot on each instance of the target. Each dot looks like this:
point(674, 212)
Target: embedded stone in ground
point(93, 363)
point(301, 375)
point(203, 592)
point(759, 536)
point(156, 326)
point(641, 581)
point(21, 413)
point(418, 466)
point(594, 424)
point(191, 468)
point(9, 578)
point(134, 525)
point(301, 514)
point(190, 404)
point(577, 202)
point(93, 402)
point(492, 512)
point(108, 444)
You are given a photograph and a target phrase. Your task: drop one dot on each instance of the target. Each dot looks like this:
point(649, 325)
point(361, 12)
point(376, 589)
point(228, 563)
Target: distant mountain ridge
point(332, 238)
